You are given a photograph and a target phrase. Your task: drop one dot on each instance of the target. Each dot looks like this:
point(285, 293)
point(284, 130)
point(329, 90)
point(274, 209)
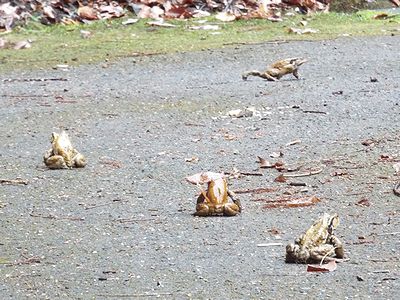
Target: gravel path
point(122, 228)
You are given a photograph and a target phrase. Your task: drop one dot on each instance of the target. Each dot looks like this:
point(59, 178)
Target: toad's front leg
point(337, 244)
point(55, 162)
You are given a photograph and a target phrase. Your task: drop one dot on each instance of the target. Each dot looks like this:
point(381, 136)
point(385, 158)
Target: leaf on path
point(281, 178)
point(364, 202)
point(256, 191)
point(204, 177)
point(289, 202)
point(368, 142)
point(193, 159)
point(264, 163)
point(276, 154)
point(328, 267)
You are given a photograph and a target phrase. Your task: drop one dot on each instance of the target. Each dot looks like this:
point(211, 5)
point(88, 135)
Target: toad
point(62, 155)
point(278, 69)
point(214, 201)
point(318, 244)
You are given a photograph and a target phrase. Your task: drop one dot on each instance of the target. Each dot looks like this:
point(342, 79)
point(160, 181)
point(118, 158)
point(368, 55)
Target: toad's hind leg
point(231, 209)
point(202, 210)
point(55, 162)
point(79, 161)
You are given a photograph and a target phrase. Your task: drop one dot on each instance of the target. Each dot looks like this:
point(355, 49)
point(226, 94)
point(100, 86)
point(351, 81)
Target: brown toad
point(62, 155)
point(214, 201)
point(278, 69)
point(318, 244)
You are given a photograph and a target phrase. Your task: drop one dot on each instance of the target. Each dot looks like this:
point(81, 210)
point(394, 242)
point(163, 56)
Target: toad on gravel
point(214, 201)
point(318, 244)
point(62, 155)
point(278, 69)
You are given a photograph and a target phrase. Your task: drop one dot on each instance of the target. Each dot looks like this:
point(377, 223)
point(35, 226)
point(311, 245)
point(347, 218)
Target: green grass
point(111, 40)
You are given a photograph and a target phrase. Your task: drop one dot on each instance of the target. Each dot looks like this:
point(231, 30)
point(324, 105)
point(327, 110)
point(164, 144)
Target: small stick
point(136, 220)
point(57, 218)
point(389, 233)
point(269, 244)
point(303, 174)
point(135, 295)
point(25, 261)
point(251, 174)
point(105, 204)
point(314, 112)
point(34, 79)
point(13, 181)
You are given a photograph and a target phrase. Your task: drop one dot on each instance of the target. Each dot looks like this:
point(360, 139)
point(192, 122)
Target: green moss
point(111, 40)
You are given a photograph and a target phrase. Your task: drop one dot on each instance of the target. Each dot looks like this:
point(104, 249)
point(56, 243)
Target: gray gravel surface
point(123, 228)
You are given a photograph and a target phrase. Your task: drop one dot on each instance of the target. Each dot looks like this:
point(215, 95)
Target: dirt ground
point(123, 227)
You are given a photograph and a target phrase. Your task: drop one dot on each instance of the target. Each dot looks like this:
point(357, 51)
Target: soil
point(123, 228)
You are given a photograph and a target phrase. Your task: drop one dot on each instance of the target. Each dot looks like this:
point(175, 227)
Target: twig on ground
point(57, 217)
point(13, 181)
point(135, 295)
point(310, 173)
point(105, 204)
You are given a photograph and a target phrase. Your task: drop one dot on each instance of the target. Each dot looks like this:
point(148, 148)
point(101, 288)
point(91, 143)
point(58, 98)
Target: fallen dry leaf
point(328, 267)
point(204, 177)
point(192, 159)
point(264, 163)
point(87, 13)
point(381, 16)
point(274, 231)
point(289, 202)
point(280, 178)
point(276, 154)
point(364, 202)
point(368, 142)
